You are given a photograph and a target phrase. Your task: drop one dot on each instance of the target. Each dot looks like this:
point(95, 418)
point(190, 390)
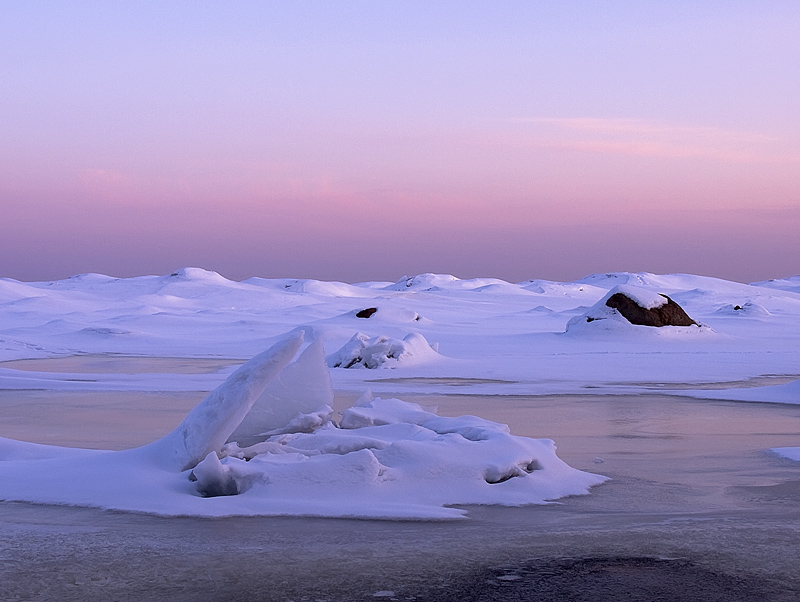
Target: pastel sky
point(368, 140)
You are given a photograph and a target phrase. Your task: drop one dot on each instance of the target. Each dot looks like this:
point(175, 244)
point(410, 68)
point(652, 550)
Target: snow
point(383, 352)
point(432, 333)
point(785, 284)
point(642, 296)
point(482, 328)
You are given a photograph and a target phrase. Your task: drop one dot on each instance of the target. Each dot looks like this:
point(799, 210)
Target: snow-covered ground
point(478, 329)
point(427, 334)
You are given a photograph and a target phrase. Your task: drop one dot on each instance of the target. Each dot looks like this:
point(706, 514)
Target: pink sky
point(362, 141)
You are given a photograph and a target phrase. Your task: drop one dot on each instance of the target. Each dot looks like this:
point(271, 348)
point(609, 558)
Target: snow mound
point(387, 314)
point(612, 279)
point(387, 458)
point(391, 453)
point(549, 287)
point(745, 309)
point(13, 290)
point(198, 275)
point(308, 286)
point(437, 282)
point(90, 278)
point(666, 283)
point(383, 352)
point(423, 282)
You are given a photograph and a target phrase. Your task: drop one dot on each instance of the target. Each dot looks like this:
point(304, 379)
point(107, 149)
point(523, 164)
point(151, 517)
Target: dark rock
point(669, 314)
point(366, 313)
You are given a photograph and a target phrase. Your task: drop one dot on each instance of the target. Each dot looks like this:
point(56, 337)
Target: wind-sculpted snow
point(394, 454)
point(386, 458)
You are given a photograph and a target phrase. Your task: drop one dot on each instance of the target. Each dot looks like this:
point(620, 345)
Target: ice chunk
point(213, 479)
point(211, 422)
point(298, 399)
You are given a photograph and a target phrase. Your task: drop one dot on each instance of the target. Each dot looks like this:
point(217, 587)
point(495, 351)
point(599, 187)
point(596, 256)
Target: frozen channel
point(696, 509)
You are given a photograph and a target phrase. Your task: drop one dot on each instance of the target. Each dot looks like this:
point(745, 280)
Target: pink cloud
point(645, 138)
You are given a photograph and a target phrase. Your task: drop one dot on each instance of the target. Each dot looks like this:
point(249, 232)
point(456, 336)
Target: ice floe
point(385, 458)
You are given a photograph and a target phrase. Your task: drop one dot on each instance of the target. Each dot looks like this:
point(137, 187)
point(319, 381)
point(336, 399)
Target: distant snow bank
point(791, 284)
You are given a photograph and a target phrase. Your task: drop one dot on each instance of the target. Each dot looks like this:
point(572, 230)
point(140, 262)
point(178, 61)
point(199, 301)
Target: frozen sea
point(683, 422)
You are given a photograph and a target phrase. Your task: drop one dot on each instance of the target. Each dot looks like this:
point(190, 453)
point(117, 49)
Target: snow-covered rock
point(748, 308)
point(626, 305)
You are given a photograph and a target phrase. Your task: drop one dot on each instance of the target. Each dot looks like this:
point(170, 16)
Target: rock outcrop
point(625, 305)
